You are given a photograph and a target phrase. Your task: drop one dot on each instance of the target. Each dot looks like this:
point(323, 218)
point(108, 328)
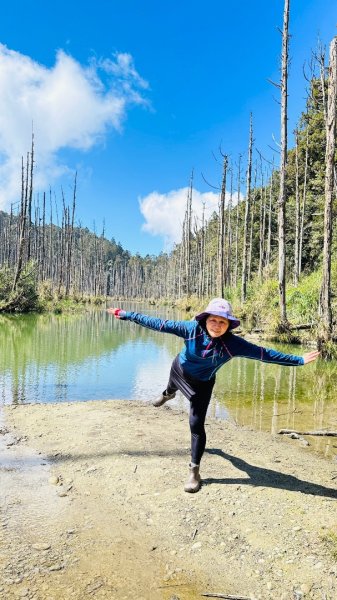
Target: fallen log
point(320, 433)
point(301, 326)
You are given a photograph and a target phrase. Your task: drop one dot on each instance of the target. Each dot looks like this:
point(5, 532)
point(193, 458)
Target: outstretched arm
point(182, 329)
point(246, 349)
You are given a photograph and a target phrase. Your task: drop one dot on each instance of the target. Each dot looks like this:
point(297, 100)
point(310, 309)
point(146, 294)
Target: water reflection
point(56, 358)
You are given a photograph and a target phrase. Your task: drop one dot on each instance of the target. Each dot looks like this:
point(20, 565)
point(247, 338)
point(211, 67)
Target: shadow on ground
point(259, 476)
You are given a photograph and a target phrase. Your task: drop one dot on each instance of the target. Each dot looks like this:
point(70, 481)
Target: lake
point(92, 356)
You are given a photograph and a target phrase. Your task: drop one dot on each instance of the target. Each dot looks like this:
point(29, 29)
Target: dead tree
point(228, 274)
point(303, 202)
point(252, 221)
point(283, 166)
point(70, 240)
point(26, 198)
point(247, 214)
point(262, 226)
point(221, 234)
point(297, 215)
point(329, 191)
point(268, 248)
point(237, 224)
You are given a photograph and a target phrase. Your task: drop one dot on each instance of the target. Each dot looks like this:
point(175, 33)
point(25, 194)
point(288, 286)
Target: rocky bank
point(92, 506)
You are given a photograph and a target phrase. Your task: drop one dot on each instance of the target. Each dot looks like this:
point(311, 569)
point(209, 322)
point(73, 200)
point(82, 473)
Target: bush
point(25, 297)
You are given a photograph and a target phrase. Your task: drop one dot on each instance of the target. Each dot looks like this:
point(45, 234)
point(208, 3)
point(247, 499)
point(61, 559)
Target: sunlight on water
point(91, 356)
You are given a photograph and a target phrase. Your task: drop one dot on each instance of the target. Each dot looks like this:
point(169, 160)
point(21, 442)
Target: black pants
point(199, 394)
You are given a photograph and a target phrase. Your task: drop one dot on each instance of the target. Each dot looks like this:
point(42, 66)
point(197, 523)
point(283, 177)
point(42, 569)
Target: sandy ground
point(92, 506)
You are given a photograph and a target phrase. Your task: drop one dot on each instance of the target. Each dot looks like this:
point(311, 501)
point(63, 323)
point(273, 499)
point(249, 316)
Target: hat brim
point(233, 322)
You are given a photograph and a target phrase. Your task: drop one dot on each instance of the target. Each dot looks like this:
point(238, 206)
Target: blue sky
point(134, 94)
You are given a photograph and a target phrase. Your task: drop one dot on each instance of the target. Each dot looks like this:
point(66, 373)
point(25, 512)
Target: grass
point(330, 540)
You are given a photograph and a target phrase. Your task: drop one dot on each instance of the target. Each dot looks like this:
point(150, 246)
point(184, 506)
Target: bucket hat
point(220, 308)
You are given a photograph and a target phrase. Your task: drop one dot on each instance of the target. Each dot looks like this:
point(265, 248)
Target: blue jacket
point(202, 355)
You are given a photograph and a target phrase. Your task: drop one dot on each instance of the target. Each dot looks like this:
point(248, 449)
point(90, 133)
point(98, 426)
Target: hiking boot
point(163, 398)
point(193, 484)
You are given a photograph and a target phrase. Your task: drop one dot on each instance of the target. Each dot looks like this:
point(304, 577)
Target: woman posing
point(208, 344)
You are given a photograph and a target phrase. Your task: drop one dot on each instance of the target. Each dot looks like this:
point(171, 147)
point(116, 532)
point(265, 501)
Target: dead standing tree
point(185, 246)
point(325, 300)
point(221, 236)
point(237, 223)
point(283, 166)
point(247, 214)
point(70, 241)
point(25, 211)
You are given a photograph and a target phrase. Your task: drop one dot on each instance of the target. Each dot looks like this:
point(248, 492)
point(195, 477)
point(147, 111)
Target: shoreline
point(92, 505)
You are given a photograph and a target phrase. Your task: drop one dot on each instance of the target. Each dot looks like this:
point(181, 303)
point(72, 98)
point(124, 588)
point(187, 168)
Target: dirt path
point(92, 506)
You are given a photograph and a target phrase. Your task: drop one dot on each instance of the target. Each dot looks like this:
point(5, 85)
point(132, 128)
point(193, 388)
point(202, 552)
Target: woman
point(209, 343)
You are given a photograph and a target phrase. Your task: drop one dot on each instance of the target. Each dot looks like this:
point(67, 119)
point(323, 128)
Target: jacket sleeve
point(268, 355)
point(179, 328)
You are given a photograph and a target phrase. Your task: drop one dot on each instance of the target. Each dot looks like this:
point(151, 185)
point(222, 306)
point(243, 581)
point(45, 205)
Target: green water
point(92, 356)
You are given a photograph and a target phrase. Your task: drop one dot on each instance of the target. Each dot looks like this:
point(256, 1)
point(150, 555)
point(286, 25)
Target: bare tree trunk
point(202, 254)
point(70, 240)
point(304, 201)
point(322, 72)
point(262, 226)
point(9, 238)
point(22, 222)
point(329, 190)
point(188, 238)
point(221, 257)
point(283, 166)
point(268, 250)
point(30, 198)
point(253, 206)
point(297, 215)
point(228, 278)
point(237, 225)
point(247, 214)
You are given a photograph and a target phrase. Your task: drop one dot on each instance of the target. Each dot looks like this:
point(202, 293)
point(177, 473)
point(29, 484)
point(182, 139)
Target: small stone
point(23, 593)
point(53, 480)
point(41, 546)
point(93, 586)
point(55, 567)
point(297, 528)
point(196, 546)
point(62, 493)
point(269, 585)
point(305, 587)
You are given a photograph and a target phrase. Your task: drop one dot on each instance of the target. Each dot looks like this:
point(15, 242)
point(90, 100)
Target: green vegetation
point(330, 540)
point(25, 297)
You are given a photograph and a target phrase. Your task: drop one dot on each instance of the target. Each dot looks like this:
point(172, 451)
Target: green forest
point(269, 215)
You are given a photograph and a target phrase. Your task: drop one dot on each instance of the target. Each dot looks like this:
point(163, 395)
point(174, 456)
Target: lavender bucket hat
point(220, 308)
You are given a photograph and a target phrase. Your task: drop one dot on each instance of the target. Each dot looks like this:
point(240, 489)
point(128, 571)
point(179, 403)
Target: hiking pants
point(199, 394)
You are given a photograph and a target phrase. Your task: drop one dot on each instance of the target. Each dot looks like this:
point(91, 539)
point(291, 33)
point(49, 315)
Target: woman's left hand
point(310, 356)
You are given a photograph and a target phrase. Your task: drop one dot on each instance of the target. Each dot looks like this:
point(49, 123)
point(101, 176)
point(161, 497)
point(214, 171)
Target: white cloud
point(67, 105)
point(164, 213)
